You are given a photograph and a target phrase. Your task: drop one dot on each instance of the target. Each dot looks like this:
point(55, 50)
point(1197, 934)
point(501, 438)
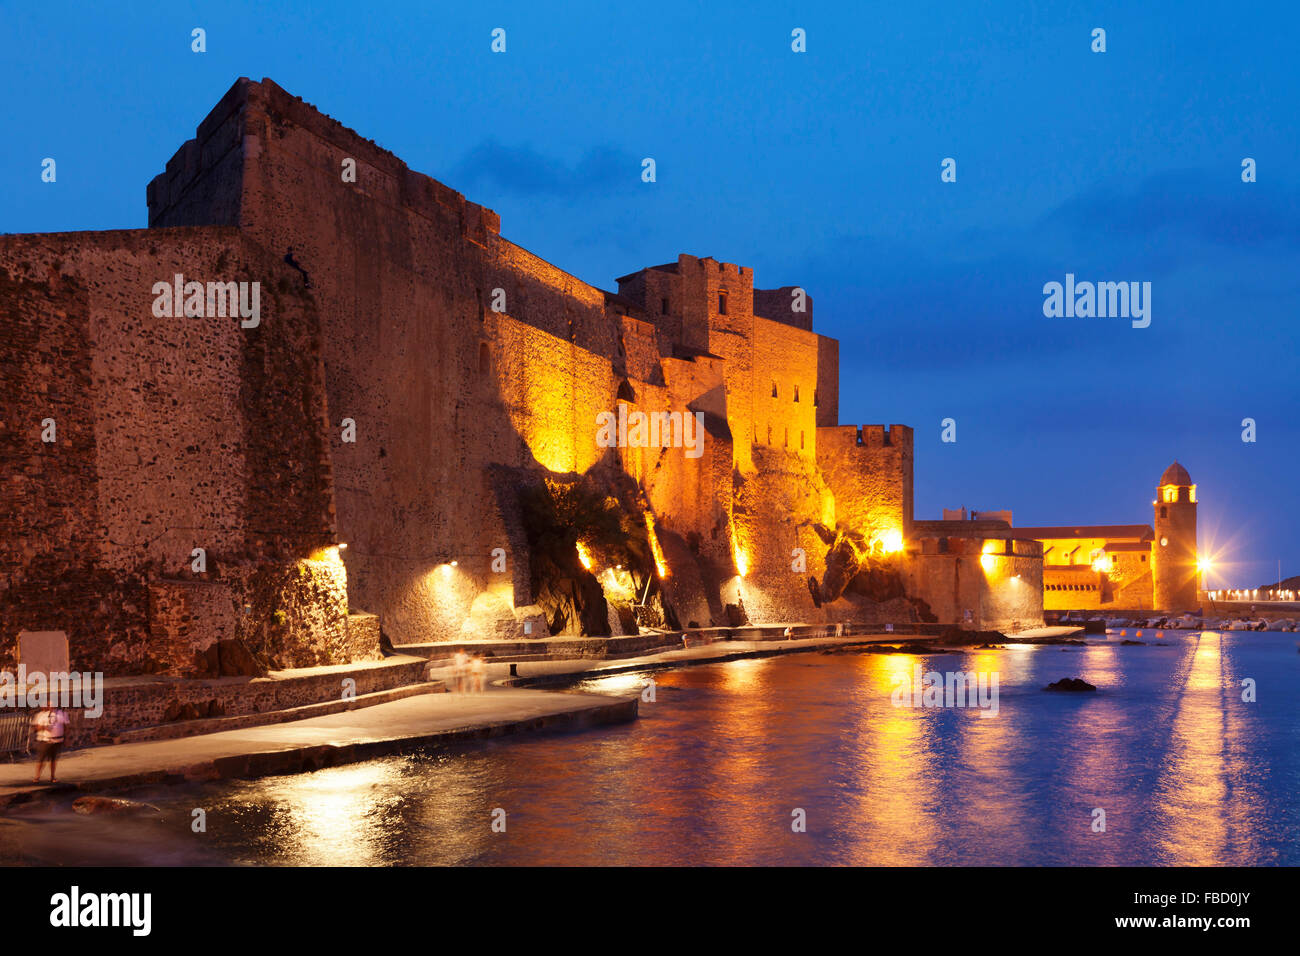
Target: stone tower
point(1173, 552)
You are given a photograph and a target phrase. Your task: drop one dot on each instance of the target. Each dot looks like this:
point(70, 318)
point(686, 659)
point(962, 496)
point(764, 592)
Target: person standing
point(460, 671)
point(50, 725)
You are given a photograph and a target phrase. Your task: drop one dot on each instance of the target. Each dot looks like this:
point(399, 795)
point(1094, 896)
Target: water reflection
point(1186, 771)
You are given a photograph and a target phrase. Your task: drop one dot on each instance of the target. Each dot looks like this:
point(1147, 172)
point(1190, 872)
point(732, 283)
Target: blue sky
point(822, 170)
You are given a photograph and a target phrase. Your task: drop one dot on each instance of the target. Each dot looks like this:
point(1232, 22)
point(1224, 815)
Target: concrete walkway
point(539, 671)
point(529, 672)
point(426, 720)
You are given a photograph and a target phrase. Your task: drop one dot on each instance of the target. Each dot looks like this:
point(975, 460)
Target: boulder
point(956, 635)
point(1070, 684)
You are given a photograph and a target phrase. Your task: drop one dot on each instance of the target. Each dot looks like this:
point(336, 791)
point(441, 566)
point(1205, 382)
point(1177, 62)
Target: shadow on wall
point(589, 550)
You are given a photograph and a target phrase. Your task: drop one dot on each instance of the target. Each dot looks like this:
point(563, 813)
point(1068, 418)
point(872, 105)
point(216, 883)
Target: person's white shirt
point(51, 726)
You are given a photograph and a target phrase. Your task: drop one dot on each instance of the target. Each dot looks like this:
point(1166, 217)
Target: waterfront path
point(423, 720)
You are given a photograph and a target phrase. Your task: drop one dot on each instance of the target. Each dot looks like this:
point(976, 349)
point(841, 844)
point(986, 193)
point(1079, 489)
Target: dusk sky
point(821, 170)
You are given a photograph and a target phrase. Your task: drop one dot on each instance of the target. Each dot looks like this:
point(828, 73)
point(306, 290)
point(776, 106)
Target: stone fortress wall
point(466, 370)
point(168, 434)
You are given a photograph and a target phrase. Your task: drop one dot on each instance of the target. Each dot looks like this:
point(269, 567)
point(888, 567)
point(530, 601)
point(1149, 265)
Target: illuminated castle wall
point(412, 371)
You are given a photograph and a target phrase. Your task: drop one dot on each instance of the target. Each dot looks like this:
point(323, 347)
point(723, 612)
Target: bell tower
point(1173, 552)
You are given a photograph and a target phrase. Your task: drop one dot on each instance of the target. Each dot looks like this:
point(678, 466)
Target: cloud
point(1212, 207)
point(1216, 250)
point(521, 170)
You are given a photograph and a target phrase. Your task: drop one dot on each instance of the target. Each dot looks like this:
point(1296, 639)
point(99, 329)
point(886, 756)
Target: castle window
point(786, 442)
point(722, 303)
point(1164, 512)
point(801, 445)
point(769, 434)
point(814, 398)
point(1144, 557)
point(663, 306)
point(484, 358)
point(796, 393)
point(774, 389)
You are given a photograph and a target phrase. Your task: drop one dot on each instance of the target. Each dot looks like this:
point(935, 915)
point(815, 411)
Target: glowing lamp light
point(661, 563)
point(1102, 565)
point(343, 545)
point(987, 561)
point(742, 562)
point(892, 542)
point(1204, 565)
point(584, 555)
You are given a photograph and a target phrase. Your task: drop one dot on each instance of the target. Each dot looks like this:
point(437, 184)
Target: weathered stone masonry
point(379, 307)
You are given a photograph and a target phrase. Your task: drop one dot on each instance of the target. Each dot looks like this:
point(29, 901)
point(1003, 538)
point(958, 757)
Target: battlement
point(709, 264)
point(881, 436)
point(871, 437)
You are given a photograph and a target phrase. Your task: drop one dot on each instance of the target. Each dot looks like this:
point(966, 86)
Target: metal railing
point(14, 733)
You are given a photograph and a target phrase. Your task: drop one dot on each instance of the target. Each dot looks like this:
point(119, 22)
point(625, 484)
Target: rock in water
point(114, 805)
point(1070, 684)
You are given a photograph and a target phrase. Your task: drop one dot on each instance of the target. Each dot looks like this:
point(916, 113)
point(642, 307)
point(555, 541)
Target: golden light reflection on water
point(711, 772)
point(1199, 815)
point(616, 684)
point(334, 817)
point(894, 780)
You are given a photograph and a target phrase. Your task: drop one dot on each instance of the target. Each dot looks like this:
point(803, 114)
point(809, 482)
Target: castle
point(405, 438)
point(1121, 567)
